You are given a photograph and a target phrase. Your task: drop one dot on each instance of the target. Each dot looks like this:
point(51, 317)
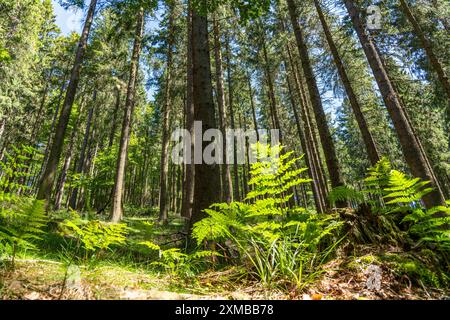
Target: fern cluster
point(21, 225)
point(277, 239)
point(95, 235)
point(389, 191)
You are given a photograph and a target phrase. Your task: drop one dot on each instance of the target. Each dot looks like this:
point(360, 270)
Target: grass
point(126, 272)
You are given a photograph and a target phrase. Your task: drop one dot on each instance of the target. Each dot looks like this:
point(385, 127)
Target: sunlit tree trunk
point(367, 137)
point(119, 181)
point(49, 176)
point(412, 150)
point(426, 44)
point(164, 164)
point(316, 103)
point(81, 159)
point(226, 173)
point(189, 180)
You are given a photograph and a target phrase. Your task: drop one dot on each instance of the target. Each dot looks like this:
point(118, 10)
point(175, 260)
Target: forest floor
point(38, 276)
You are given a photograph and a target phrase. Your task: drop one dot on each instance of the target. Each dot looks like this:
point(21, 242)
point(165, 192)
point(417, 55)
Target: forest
point(225, 149)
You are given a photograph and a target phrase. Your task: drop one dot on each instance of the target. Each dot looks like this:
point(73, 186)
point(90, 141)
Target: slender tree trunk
point(207, 176)
point(271, 93)
point(164, 165)
point(49, 176)
point(426, 44)
point(252, 104)
point(232, 120)
point(368, 139)
point(81, 160)
point(188, 187)
point(414, 155)
point(226, 173)
point(318, 198)
point(321, 120)
point(119, 181)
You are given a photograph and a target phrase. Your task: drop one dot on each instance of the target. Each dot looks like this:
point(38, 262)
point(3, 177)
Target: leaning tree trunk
point(368, 139)
point(426, 44)
point(49, 176)
point(207, 176)
point(321, 120)
point(410, 143)
point(226, 173)
point(188, 183)
point(164, 164)
point(119, 181)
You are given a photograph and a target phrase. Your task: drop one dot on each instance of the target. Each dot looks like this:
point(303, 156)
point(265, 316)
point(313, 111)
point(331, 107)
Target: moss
point(361, 262)
point(416, 270)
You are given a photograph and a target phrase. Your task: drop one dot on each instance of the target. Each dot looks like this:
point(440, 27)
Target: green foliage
point(21, 224)
point(246, 9)
point(177, 262)
point(95, 235)
point(402, 194)
point(277, 241)
point(345, 193)
point(4, 55)
point(14, 171)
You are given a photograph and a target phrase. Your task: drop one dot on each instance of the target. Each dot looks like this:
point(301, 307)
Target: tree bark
point(232, 121)
point(321, 120)
point(426, 44)
point(410, 143)
point(81, 159)
point(49, 176)
point(368, 139)
point(207, 176)
point(119, 181)
point(226, 173)
point(188, 183)
point(164, 164)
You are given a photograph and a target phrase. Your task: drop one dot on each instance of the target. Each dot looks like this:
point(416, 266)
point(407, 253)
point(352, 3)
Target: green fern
point(21, 225)
point(345, 193)
point(95, 235)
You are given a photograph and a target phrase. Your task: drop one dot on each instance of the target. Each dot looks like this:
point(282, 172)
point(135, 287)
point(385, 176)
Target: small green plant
point(95, 236)
point(178, 263)
point(21, 225)
point(279, 241)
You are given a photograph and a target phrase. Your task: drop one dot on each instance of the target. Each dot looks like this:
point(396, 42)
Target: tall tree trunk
point(49, 176)
point(368, 139)
point(119, 181)
point(426, 44)
point(410, 143)
point(321, 120)
point(81, 160)
point(270, 85)
point(232, 120)
point(318, 198)
point(207, 176)
point(188, 183)
point(252, 104)
point(226, 173)
point(164, 164)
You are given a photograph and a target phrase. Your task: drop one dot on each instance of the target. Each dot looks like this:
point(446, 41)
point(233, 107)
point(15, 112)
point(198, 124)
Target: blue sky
point(67, 20)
